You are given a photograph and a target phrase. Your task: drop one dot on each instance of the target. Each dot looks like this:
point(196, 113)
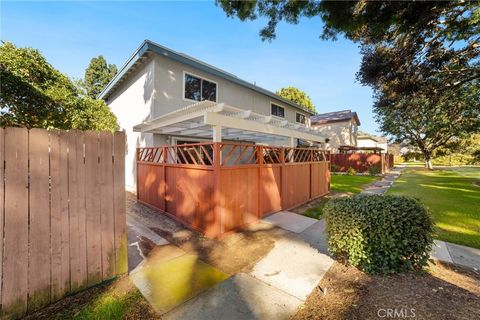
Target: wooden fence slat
point(121, 249)
point(106, 204)
point(59, 215)
point(39, 234)
point(76, 175)
point(92, 196)
point(2, 203)
point(15, 255)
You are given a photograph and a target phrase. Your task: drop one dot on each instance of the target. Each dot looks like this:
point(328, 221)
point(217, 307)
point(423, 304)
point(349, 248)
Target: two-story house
point(163, 97)
point(341, 128)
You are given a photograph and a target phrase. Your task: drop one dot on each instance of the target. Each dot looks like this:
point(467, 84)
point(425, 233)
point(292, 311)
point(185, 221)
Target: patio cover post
point(217, 133)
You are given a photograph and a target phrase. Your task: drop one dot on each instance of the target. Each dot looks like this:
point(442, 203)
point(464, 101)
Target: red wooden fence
point(62, 214)
point(361, 161)
point(220, 187)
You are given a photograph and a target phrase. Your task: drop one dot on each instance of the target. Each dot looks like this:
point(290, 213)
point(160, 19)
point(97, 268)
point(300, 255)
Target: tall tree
point(97, 75)
point(430, 124)
point(298, 96)
point(34, 94)
point(420, 57)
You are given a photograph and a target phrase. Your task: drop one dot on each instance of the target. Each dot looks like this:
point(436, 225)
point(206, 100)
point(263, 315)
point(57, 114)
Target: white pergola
point(219, 121)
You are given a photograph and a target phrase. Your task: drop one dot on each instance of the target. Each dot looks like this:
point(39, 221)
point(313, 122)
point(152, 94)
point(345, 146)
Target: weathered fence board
point(92, 188)
point(62, 208)
point(60, 233)
point(121, 249)
point(39, 236)
point(15, 253)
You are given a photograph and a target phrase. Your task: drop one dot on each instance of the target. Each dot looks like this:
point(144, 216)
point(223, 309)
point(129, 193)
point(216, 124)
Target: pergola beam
point(229, 122)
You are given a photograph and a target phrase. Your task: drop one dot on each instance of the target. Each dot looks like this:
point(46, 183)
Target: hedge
point(379, 233)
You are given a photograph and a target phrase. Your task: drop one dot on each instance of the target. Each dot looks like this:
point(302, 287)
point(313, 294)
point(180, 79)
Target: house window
point(199, 89)
point(300, 118)
point(278, 111)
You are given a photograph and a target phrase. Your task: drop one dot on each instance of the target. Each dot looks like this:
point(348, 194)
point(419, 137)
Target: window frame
point(278, 105)
point(302, 123)
point(201, 86)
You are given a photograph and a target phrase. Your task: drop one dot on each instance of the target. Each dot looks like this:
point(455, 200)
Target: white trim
point(184, 72)
point(284, 110)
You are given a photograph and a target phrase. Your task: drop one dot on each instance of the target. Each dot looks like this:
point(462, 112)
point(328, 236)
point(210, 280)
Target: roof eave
point(148, 45)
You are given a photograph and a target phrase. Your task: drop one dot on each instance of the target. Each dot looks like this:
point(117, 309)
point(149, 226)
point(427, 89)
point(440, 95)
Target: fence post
point(259, 181)
point(218, 227)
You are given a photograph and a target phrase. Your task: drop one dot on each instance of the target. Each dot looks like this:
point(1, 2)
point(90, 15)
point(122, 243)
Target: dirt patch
point(443, 292)
point(476, 183)
point(238, 252)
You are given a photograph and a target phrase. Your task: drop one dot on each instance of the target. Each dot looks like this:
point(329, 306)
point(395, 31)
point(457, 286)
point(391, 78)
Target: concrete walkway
point(456, 254)
point(277, 285)
point(381, 187)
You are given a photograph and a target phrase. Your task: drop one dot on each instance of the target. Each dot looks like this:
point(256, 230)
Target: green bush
point(374, 169)
point(351, 171)
point(334, 168)
point(379, 234)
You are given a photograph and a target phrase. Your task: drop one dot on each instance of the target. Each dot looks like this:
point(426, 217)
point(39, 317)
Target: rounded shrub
point(379, 234)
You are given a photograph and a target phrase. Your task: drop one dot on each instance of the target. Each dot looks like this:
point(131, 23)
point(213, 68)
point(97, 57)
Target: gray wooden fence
point(62, 214)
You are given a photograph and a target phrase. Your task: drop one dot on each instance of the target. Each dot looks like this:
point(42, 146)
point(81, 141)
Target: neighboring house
point(370, 141)
point(340, 127)
point(161, 96)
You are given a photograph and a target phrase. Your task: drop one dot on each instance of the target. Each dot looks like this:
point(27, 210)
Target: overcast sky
point(69, 34)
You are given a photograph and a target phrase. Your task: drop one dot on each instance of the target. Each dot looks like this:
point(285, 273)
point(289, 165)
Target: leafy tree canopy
point(34, 94)
point(97, 75)
point(298, 96)
point(422, 59)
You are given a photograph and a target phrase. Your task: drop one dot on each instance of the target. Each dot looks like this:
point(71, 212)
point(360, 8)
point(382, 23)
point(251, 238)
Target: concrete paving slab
point(374, 191)
point(292, 266)
point(141, 230)
point(464, 256)
point(290, 221)
point(240, 297)
point(316, 236)
point(383, 183)
point(166, 284)
point(440, 251)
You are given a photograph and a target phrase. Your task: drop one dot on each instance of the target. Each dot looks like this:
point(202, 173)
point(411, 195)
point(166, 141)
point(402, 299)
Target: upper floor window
point(198, 89)
point(301, 118)
point(278, 111)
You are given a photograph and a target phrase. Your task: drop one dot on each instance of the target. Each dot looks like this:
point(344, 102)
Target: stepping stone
point(440, 251)
point(290, 221)
point(383, 183)
point(464, 256)
point(292, 266)
point(240, 297)
point(166, 284)
point(316, 236)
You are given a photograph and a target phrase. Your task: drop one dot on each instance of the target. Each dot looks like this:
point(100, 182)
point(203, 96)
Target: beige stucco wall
point(131, 103)
point(168, 91)
point(339, 133)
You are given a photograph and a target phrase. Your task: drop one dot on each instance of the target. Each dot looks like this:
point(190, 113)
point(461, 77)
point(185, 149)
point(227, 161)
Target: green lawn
point(353, 184)
point(452, 197)
point(340, 183)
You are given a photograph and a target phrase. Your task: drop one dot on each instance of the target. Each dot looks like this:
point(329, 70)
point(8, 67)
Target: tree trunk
point(428, 161)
